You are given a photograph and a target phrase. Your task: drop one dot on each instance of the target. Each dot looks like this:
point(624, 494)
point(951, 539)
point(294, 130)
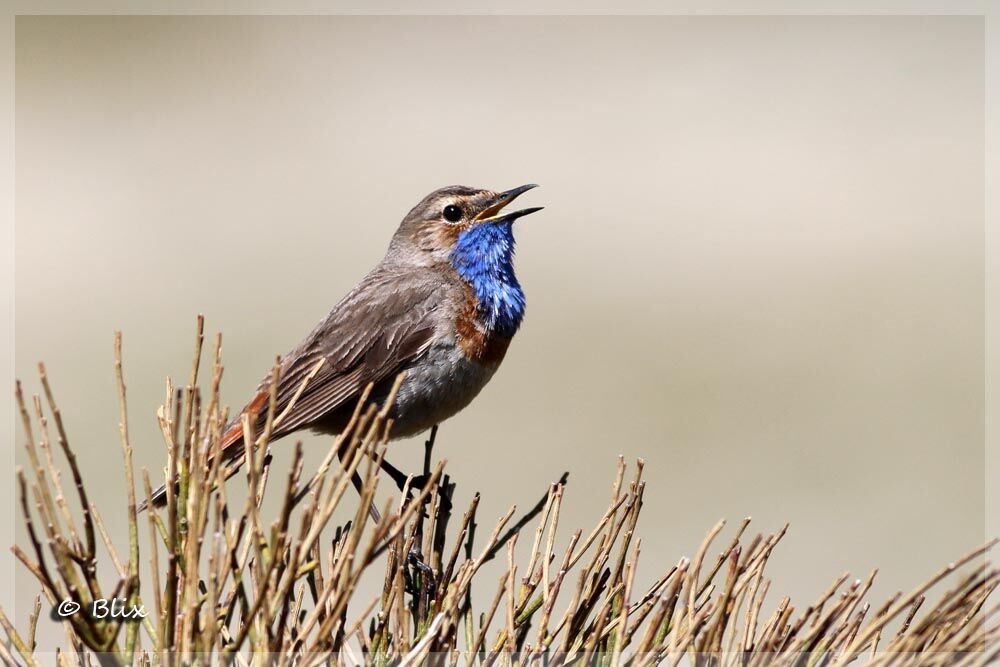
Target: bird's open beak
point(492, 211)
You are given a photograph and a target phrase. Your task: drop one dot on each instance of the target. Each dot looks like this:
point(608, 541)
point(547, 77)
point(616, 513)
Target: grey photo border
point(988, 9)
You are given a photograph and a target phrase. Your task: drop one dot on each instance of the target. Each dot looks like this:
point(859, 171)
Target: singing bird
point(442, 305)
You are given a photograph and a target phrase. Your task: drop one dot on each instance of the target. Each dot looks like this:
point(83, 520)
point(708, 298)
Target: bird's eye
point(452, 213)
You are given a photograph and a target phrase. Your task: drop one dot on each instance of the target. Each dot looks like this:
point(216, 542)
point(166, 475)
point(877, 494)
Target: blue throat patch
point(484, 258)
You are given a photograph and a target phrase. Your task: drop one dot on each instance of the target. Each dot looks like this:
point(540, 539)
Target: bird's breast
point(461, 361)
point(478, 342)
point(439, 384)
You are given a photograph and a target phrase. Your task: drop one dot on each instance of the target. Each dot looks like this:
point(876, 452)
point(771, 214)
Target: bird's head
point(468, 230)
point(456, 216)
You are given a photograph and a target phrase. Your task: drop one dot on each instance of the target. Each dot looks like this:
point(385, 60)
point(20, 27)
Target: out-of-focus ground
point(760, 267)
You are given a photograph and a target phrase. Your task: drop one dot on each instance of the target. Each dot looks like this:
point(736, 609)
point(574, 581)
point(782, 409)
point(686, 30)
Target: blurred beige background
point(760, 267)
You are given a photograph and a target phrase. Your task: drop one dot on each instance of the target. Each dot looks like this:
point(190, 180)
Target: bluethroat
point(442, 305)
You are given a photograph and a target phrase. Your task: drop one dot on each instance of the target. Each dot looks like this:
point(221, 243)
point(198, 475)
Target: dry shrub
point(230, 585)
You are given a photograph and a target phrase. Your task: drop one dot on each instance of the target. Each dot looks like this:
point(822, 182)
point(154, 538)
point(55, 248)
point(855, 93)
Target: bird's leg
point(359, 487)
point(398, 476)
point(417, 482)
point(445, 498)
point(304, 491)
point(414, 557)
point(428, 449)
point(355, 481)
point(426, 574)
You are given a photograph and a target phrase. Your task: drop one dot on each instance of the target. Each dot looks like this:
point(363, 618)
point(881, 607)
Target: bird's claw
point(415, 560)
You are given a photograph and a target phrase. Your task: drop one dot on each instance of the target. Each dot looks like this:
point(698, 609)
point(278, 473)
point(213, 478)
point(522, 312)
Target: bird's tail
point(230, 449)
point(231, 441)
point(158, 499)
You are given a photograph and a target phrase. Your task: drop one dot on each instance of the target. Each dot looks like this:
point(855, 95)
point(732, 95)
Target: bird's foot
point(426, 573)
point(419, 482)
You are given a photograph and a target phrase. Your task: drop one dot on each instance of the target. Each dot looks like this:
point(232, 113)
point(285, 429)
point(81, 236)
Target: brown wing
point(384, 323)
